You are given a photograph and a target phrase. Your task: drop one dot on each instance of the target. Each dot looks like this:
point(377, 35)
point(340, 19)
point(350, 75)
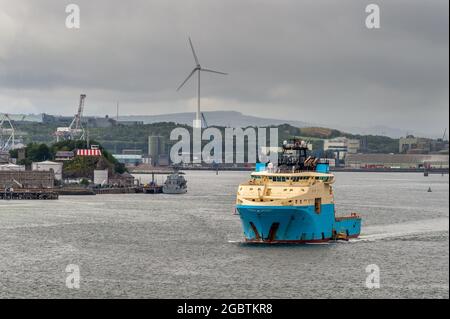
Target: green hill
point(118, 137)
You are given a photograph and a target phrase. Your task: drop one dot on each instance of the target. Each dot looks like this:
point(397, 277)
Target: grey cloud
point(304, 60)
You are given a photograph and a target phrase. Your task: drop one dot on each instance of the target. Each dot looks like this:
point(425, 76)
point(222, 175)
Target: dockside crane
point(75, 129)
point(7, 133)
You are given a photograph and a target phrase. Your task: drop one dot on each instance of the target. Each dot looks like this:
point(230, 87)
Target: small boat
point(175, 184)
point(152, 188)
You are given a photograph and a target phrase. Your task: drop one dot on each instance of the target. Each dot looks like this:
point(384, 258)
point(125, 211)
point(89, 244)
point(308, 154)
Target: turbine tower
point(198, 69)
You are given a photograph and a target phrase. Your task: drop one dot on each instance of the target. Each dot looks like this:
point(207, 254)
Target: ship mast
point(294, 157)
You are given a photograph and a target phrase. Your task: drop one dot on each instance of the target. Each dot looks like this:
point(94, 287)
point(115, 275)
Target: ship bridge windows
point(279, 179)
point(299, 178)
point(283, 179)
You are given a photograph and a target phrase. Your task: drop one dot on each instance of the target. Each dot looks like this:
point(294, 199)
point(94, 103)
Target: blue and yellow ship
point(293, 202)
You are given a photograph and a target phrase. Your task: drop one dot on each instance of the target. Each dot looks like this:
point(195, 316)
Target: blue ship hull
point(295, 224)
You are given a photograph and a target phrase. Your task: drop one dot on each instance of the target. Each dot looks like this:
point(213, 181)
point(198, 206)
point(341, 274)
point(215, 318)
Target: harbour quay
point(30, 194)
point(27, 185)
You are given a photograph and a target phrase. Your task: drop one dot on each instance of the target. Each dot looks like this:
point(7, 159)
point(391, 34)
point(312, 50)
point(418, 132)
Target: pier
point(118, 190)
point(29, 194)
point(147, 189)
point(152, 171)
point(74, 191)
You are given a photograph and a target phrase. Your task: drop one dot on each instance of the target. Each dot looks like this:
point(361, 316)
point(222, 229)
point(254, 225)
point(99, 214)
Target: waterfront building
point(146, 159)
point(416, 161)
point(419, 145)
point(412, 144)
point(122, 180)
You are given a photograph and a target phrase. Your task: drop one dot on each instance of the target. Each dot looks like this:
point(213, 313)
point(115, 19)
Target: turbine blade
point(181, 85)
point(212, 71)
point(193, 52)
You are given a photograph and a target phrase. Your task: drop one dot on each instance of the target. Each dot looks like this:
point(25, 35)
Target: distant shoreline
point(391, 170)
point(332, 169)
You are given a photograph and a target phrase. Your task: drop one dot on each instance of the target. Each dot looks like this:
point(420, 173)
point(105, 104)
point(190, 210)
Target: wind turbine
point(199, 69)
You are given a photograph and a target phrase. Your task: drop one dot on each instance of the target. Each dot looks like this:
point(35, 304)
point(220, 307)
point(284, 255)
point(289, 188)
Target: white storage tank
point(47, 166)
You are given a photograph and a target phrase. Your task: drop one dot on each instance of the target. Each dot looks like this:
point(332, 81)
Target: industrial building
point(341, 146)
point(415, 161)
point(128, 159)
point(157, 151)
point(419, 145)
point(154, 148)
point(27, 179)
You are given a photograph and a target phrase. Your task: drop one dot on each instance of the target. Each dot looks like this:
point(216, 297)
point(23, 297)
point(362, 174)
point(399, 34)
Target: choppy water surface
point(186, 246)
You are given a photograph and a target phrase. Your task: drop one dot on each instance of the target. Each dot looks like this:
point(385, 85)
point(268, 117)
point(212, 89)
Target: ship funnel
point(323, 168)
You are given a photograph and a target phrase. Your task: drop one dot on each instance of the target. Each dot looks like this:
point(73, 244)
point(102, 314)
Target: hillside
point(238, 119)
point(119, 137)
point(216, 118)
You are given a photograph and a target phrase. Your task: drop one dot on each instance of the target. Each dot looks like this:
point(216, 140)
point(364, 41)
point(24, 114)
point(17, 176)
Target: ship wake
point(407, 229)
point(391, 231)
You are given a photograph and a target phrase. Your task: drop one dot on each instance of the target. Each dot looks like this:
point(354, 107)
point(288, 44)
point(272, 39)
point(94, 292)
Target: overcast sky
point(312, 61)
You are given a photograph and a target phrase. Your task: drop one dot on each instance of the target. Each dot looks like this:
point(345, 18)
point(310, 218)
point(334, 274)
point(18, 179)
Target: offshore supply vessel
point(293, 202)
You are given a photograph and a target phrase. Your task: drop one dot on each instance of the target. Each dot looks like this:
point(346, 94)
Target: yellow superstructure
point(286, 189)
